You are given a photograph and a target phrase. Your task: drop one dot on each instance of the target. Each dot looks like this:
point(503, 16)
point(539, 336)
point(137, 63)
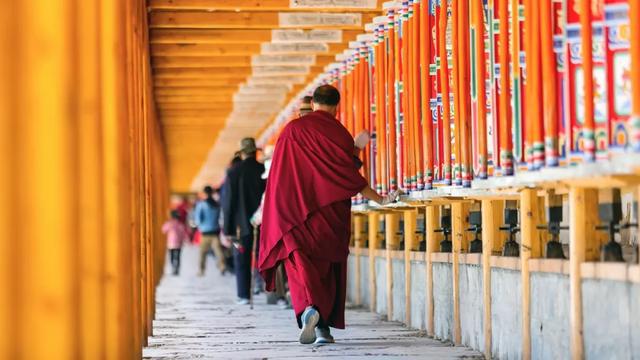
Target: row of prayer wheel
point(427, 81)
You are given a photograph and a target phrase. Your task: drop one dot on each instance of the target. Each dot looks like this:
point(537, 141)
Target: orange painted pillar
point(588, 126)
point(634, 23)
point(444, 84)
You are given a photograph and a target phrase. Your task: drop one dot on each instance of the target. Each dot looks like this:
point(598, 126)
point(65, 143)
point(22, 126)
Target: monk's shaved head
point(326, 95)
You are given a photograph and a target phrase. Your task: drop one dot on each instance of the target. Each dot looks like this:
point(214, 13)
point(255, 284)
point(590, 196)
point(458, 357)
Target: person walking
point(306, 220)
point(177, 234)
point(243, 190)
point(206, 216)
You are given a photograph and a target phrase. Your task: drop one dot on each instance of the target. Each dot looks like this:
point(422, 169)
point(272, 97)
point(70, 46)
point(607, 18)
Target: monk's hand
point(237, 244)
point(391, 197)
point(362, 139)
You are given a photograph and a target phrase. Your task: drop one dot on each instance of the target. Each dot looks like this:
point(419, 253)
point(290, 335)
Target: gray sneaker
point(323, 336)
point(310, 318)
point(242, 301)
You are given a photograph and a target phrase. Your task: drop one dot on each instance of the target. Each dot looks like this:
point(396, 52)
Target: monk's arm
point(371, 194)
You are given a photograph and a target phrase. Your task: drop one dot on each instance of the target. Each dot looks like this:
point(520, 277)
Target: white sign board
point(300, 36)
point(319, 19)
point(291, 59)
point(294, 48)
point(264, 88)
point(290, 80)
point(280, 70)
point(332, 4)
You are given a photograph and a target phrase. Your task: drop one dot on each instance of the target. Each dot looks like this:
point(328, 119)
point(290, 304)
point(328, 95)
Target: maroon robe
point(306, 218)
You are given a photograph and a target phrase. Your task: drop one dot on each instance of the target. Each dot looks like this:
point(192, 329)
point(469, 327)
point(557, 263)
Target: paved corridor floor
point(197, 318)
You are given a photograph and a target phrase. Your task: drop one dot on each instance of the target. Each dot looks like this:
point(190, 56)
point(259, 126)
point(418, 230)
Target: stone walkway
point(197, 319)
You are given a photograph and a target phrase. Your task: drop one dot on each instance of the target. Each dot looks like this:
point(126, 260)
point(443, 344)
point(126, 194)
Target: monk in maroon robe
point(306, 219)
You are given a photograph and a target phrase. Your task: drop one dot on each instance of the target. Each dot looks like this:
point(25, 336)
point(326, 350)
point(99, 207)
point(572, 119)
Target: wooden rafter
point(222, 36)
point(235, 5)
point(234, 20)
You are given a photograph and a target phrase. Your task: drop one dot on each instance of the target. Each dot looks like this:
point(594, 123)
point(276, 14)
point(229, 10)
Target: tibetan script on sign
point(319, 19)
point(260, 60)
point(280, 70)
point(301, 36)
point(333, 4)
point(295, 79)
point(296, 48)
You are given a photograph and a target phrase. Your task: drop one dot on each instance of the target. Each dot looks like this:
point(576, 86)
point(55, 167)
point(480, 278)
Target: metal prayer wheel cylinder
point(475, 222)
point(445, 228)
point(610, 212)
point(511, 247)
point(553, 248)
point(420, 238)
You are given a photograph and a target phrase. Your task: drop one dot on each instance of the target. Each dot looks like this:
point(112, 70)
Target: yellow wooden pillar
point(359, 240)
point(432, 218)
point(45, 144)
point(491, 219)
point(459, 225)
point(91, 243)
point(410, 218)
point(374, 245)
point(530, 246)
point(118, 334)
point(582, 240)
point(7, 198)
point(392, 242)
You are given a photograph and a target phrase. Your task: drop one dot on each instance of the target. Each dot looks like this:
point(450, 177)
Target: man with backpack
point(207, 217)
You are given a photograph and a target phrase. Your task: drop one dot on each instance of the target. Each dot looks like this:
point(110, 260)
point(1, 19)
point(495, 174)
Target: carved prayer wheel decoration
point(445, 229)
point(610, 212)
point(511, 247)
point(475, 222)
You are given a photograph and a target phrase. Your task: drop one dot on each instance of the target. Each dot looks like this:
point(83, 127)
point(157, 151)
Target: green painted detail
point(517, 120)
point(474, 64)
point(520, 12)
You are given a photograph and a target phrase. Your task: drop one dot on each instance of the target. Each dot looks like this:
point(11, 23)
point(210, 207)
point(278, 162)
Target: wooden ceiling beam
point(233, 72)
point(182, 83)
point(204, 49)
point(235, 20)
point(245, 5)
point(200, 113)
point(217, 61)
point(199, 61)
point(204, 72)
point(225, 49)
point(195, 99)
point(194, 90)
point(191, 120)
point(211, 107)
point(219, 36)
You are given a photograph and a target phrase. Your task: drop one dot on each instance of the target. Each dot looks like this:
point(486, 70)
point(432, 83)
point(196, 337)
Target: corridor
point(197, 318)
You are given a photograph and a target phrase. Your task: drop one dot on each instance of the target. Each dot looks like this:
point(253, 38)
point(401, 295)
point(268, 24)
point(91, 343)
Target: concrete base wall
point(442, 301)
point(399, 286)
point(365, 293)
point(506, 317)
point(471, 306)
point(351, 279)
point(381, 285)
point(418, 294)
point(611, 319)
point(550, 326)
